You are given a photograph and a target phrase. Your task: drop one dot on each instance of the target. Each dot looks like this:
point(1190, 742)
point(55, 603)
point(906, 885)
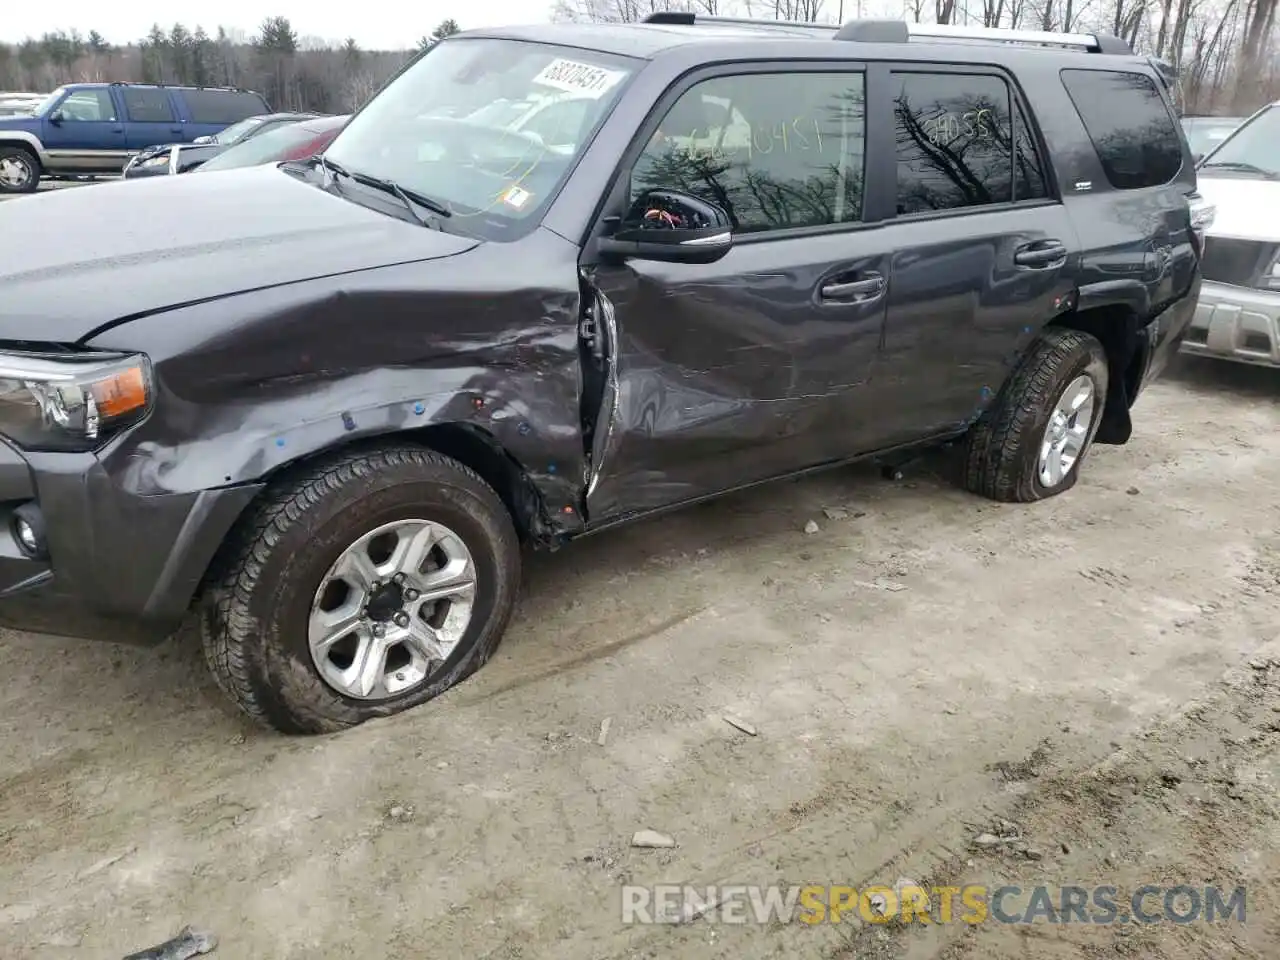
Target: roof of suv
point(98, 84)
point(284, 115)
point(866, 39)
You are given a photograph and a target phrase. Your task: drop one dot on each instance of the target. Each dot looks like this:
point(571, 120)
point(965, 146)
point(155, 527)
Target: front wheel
point(367, 587)
point(19, 170)
point(1031, 443)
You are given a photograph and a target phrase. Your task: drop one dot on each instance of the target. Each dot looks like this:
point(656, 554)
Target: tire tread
point(229, 630)
point(995, 448)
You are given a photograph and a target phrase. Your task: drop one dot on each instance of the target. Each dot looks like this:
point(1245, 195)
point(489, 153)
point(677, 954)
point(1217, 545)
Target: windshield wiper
point(408, 197)
point(328, 167)
point(1242, 167)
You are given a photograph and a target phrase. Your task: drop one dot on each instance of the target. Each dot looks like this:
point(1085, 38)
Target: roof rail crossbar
point(874, 31)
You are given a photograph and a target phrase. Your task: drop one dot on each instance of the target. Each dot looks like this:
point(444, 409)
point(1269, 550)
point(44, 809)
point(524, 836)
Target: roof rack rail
point(901, 31)
point(1093, 42)
point(682, 18)
point(176, 86)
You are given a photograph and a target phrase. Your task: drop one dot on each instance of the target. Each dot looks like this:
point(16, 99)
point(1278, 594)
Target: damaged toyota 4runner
point(325, 403)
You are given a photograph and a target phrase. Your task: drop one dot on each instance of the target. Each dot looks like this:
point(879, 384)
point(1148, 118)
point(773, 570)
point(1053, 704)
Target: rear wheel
point(19, 170)
point(367, 587)
point(1031, 443)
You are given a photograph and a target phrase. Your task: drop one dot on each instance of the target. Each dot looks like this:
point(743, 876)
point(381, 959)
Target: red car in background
point(295, 141)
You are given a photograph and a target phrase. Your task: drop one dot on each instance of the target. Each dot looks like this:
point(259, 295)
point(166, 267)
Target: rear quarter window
point(1127, 119)
point(222, 106)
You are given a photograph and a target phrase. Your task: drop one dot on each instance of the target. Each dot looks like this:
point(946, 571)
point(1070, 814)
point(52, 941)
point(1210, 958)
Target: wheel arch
point(28, 141)
point(470, 445)
point(1118, 327)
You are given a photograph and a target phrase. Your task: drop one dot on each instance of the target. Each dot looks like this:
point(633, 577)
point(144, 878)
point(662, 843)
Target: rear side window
point(222, 106)
point(1129, 124)
point(147, 105)
point(962, 141)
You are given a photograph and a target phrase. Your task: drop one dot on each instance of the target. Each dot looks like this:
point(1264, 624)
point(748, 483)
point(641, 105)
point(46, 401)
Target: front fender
point(250, 384)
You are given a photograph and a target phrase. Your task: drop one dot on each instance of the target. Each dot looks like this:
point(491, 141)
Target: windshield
point(1203, 134)
point(1252, 151)
point(234, 132)
point(264, 148)
point(47, 103)
point(488, 128)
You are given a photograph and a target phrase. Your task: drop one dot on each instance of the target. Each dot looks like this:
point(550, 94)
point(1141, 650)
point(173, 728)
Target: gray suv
point(327, 403)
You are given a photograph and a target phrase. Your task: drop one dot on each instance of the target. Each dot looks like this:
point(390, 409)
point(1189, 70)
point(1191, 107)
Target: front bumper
point(1236, 323)
point(117, 565)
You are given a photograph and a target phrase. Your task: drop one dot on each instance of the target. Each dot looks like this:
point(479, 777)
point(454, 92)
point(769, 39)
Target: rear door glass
point(962, 141)
point(147, 105)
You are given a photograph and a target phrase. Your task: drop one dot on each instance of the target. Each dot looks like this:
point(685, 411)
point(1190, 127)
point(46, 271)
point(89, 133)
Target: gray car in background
point(169, 158)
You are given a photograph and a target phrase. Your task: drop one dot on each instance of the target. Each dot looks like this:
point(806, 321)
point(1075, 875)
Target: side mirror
point(57, 117)
point(203, 140)
point(671, 227)
point(1196, 158)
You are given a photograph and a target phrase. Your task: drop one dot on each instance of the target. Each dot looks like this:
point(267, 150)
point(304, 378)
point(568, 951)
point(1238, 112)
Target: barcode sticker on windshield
point(581, 78)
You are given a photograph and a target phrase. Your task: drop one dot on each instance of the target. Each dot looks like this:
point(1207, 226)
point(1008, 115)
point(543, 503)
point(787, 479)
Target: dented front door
point(734, 372)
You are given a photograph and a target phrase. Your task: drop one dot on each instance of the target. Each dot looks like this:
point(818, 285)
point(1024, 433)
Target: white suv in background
point(1238, 316)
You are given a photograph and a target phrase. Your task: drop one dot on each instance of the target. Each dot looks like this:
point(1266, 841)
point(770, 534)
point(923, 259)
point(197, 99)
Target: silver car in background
point(1238, 314)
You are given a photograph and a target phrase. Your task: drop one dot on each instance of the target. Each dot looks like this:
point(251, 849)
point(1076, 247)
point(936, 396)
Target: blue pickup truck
point(93, 128)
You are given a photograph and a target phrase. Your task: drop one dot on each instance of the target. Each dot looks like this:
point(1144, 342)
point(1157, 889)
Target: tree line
point(293, 72)
point(1224, 50)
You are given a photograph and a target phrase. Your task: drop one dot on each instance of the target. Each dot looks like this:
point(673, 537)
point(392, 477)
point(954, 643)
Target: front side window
point(46, 105)
point(423, 133)
point(1251, 151)
point(1126, 118)
point(962, 142)
point(776, 151)
point(87, 106)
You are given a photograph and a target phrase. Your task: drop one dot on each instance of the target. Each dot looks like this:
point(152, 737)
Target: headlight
point(59, 401)
point(156, 161)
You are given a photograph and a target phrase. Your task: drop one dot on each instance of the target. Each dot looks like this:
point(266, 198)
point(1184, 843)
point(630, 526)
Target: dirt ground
point(1092, 676)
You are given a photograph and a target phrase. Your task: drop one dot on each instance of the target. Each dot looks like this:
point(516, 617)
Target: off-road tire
point(254, 617)
point(1003, 447)
point(8, 152)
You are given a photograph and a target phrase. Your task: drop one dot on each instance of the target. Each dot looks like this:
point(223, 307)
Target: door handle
point(854, 290)
point(117, 129)
point(1041, 253)
point(175, 129)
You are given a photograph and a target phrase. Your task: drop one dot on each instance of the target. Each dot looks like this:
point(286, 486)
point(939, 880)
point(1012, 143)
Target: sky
point(375, 24)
